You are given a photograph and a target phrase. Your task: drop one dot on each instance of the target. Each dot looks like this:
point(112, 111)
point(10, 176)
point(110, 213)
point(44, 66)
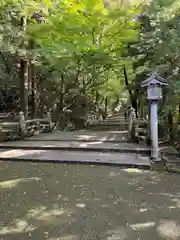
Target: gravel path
point(83, 202)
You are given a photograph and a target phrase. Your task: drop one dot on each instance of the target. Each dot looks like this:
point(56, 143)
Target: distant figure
point(130, 111)
point(125, 115)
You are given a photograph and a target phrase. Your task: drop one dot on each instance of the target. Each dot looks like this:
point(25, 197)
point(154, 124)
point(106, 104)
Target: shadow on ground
point(81, 202)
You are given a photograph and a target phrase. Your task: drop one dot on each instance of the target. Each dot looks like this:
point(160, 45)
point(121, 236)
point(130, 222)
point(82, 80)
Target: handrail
point(23, 128)
point(36, 120)
point(135, 130)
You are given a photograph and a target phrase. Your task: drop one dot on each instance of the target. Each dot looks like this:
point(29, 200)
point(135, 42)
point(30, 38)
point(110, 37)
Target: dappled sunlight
point(90, 143)
point(117, 136)
point(37, 217)
point(47, 145)
point(86, 137)
point(143, 210)
point(142, 226)
point(133, 170)
point(128, 231)
point(119, 233)
point(19, 153)
point(114, 174)
point(81, 205)
point(118, 132)
point(176, 201)
point(75, 202)
point(14, 182)
point(172, 207)
point(177, 195)
point(169, 229)
point(66, 237)
point(41, 213)
point(174, 198)
point(122, 200)
point(17, 226)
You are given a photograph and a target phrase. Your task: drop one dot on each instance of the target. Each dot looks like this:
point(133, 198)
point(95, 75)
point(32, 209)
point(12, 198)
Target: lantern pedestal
point(154, 130)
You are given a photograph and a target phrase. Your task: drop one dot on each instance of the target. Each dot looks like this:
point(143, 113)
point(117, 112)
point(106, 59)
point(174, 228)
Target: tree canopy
point(86, 56)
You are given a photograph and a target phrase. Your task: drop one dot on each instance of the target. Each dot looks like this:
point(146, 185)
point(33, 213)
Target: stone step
point(106, 128)
point(96, 146)
point(121, 116)
point(79, 136)
point(57, 156)
point(114, 119)
point(114, 116)
point(112, 123)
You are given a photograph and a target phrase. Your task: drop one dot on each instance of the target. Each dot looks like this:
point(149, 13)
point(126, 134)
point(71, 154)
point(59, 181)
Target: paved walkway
point(82, 202)
point(82, 135)
point(76, 145)
point(81, 140)
point(109, 147)
point(57, 156)
point(103, 147)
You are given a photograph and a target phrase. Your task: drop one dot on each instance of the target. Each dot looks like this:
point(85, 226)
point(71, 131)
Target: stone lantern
point(154, 86)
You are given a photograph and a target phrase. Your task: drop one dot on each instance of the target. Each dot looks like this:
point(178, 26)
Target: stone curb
point(168, 166)
point(171, 167)
point(78, 140)
point(84, 149)
point(88, 162)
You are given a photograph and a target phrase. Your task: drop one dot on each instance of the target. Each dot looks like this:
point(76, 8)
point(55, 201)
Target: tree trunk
point(41, 97)
point(29, 80)
point(24, 75)
point(24, 87)
point(93, 83)
point(134, 104)
point(34, 94)
point(170, 125)
point(61, 103)
point(179, 111)
point(97, 98)
point(106, 106)
point(33, 82)
point(132, 96)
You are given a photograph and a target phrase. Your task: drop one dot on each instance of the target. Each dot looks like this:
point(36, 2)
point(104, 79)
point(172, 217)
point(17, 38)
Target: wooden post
point(22, 125)
point(50, 121)
point(131, 117)
point(38, 126)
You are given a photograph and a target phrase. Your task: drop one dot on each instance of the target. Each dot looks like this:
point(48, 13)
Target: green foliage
point(86, 43)
point(78, 48)
point(165, 45)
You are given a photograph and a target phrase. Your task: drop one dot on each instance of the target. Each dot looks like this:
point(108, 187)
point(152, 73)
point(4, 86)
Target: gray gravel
point(82, 202)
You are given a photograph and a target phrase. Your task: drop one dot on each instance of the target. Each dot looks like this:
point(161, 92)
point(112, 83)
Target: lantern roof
point(154, 79)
